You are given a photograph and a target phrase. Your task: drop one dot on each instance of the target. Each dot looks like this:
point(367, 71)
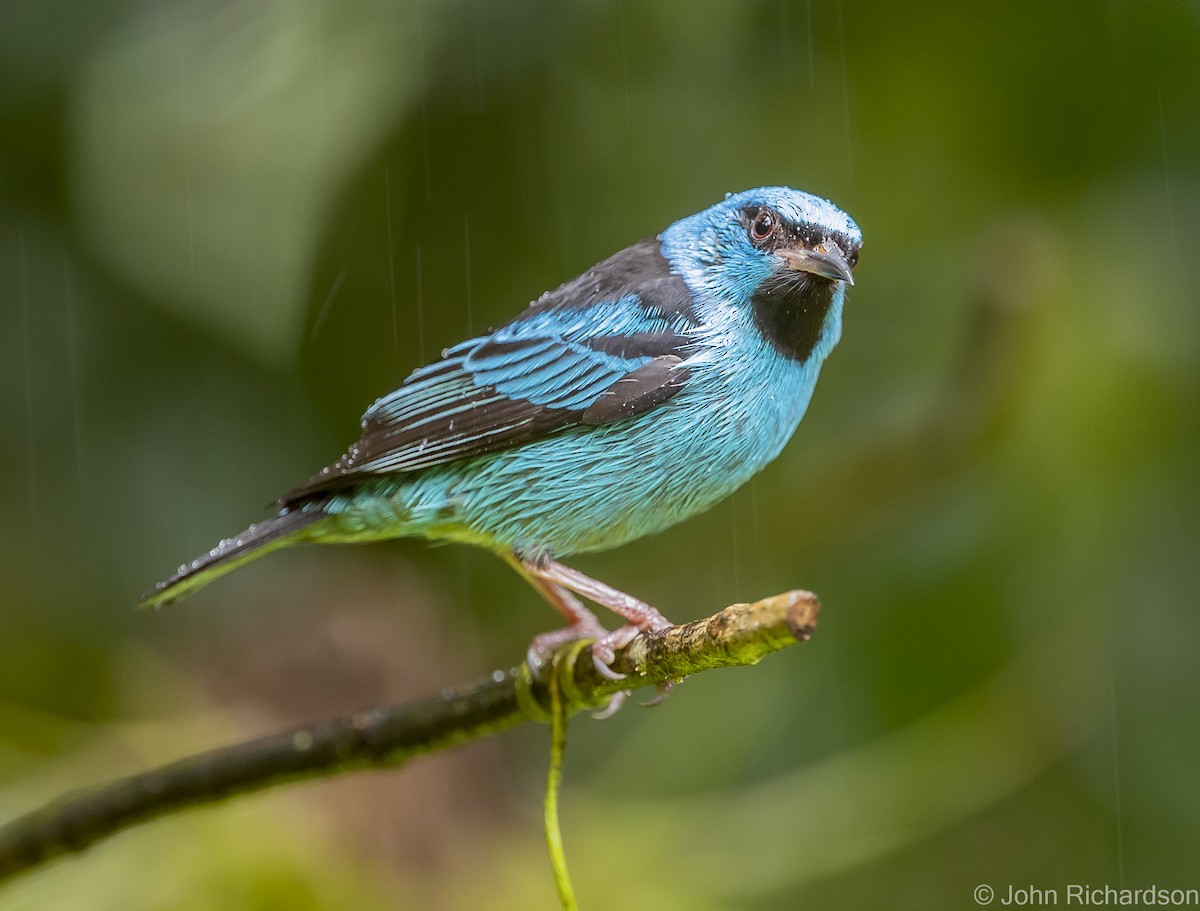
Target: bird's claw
point(617, 700)
point(604, 650)
point(603, 665)
point(664, 690)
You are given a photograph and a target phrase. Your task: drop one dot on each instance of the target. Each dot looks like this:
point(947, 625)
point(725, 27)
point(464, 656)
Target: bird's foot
point(560, 584)
point(607, 646)
point(604, 649)
point(545, 644)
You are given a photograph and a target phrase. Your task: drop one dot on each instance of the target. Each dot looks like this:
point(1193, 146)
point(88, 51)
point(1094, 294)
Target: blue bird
point(634, 396)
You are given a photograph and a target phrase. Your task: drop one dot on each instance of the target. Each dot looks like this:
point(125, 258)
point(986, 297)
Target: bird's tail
point(257, 540)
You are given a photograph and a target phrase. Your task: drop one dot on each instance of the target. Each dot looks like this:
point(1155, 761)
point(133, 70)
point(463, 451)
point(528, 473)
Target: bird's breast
point(591, 488)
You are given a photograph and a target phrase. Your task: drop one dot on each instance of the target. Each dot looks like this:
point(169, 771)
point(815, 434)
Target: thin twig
point(554, 842)
point(389, 736)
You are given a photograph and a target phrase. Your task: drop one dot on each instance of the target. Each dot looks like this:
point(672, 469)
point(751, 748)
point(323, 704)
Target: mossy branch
point(389, 736)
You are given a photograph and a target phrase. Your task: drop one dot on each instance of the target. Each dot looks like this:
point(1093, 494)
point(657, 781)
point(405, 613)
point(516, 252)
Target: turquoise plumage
point(640, 393)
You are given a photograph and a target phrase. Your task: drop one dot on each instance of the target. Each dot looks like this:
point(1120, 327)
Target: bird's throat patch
point(790, 311)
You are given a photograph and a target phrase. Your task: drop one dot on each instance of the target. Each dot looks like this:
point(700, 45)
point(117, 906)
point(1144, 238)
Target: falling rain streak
point(319, 322)
point(735, 560)
point(387, 201)
point(185, 120)
point(420, 311)
point(27, 352)
point(467, 266)
point(1162, 130)
point(845, 90)
point(423, 95)
point(1112, 701)
point(624, 58)
point(812, 57)
point(73, 368)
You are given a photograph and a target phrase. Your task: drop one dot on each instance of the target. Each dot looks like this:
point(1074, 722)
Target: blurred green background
point(227, 226)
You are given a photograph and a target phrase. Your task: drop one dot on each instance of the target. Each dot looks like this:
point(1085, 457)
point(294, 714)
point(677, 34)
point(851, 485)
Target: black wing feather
point(605, 346)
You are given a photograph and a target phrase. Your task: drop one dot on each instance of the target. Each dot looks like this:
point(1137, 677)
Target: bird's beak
point(829, 262)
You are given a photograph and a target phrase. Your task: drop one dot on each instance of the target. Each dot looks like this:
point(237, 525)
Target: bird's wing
point(594, 351)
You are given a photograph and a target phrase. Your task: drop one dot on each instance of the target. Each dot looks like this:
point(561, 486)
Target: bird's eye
point(763, 226)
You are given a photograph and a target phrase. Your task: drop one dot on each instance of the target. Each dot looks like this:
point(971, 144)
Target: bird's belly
point(591, 488)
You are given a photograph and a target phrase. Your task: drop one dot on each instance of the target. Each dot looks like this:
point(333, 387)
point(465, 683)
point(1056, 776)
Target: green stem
point(558, 747)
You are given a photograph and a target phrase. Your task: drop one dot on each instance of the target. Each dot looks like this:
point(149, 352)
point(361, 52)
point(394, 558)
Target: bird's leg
point(640, 616)
point(582, 622)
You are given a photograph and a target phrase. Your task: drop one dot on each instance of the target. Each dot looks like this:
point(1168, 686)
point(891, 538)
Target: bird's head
point(782, 254)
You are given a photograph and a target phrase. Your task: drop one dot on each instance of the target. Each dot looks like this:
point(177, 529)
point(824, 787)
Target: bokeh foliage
point(225, 226)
